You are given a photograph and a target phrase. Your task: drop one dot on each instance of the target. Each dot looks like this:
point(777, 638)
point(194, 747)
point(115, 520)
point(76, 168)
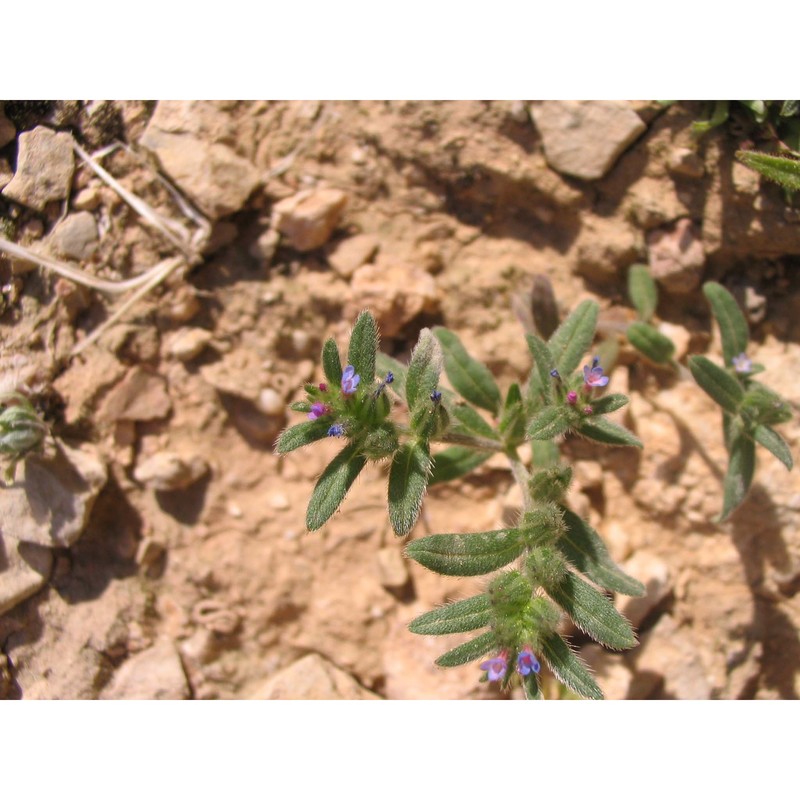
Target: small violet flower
point(389, 377)
point(554, 373)
point(336, 430)
point(318, 410)
point(496, 667)
point(527, 662)
point(323, 387)
point(742, 364)
point(593, 376)
point(350, 380)
point(436, 397)
point(383, 384)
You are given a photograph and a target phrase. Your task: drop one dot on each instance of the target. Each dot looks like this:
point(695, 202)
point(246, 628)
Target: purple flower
point(572, 398)
point(383, 384)
point(389, 377)
point(436, 397)
point(336, 430)
point(318, 410)
point(496, 667)
point(554, 373)
point(527, 662)
point(350, 380)
point(593, 376)
point(742, 364)
point(323, 387)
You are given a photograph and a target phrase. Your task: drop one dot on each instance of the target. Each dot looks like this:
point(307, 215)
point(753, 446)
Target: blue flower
point(527, 662)
point(496, 667)
point(436, 397)
point(389, 377)
point(350, 380)
point(593, 376)
point(336, 430)
point(742, 364)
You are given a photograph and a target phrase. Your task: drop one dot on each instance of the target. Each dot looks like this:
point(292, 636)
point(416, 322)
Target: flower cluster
point(497, 667)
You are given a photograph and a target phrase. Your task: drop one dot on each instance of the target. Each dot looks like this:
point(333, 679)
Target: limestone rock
point(392, 568)
point(613, 676)
point(676, 256)
point(140, 396)
point(655, 575)
point(51, 504)
point(188, 343)
point(604, 248)
point(166, 471)
point(45, 164)
point(75, 236)
point(25, 569)
point(308, 218)
point(686, 162)
point(353, 252)
point(312, 678)
point(584, 138)
point(153, 674)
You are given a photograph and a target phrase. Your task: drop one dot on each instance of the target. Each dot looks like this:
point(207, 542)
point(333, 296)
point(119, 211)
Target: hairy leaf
point(470, 421)
point(471, 379)
point(774, 442)
point(544, 365)
point(642, 291)
point(466, 554)
point(651, 343)
point(782, 170)
point(464, 615)
point(739, 476)
point(574, 337)
point(424, 370)
point(333, 485)
point(470, 651)
point(761, 405)
point(549, 423)
point(568, 668)
point(332, 363)
point(718, 384)
point(608, 403)
point(408, 480)
point(603, 430)
point(454, 462)
point(733, 327)
point(544, 453)
point(302, 434)
point(364, 347)
point(512, 420)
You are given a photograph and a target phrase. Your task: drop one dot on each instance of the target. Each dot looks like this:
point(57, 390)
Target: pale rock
point(45, 164)
point(87, 199)
point(265, 247)
point(25, 569)
point(7, 129)
point(188, 343)
point(584, 138)
point(518, 111)
point(308, 218)
point(353, 252)
point(216, 617)
point(587, 474)
point(140, 396)
point(153, 674)
point(604, 247)
point(271, 403)
point(676, 256)
point(755, 305)
point(686, 162)
point(168, 472)
point(392, 568)
point(613, 676)
point(237, 373)
point(654, 573)
point(678, 335)
point(51, 504)
point(279, 501)
point(312, 678)
point(75, 236)
point(651, 202)
point(395, 292)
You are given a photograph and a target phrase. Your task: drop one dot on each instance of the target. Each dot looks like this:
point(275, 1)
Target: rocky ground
point(157, 548)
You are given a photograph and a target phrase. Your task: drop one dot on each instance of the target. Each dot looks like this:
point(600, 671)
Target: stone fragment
point(604, 248)
point(45, 164)
point(584, 138)
point(676, 256)
point(679, 336)
point(654, 573)
point(353, 252)
point(238, 373)
point(167, 471)
point(265, 246)
point(75, 236)
point(153, 674)
point(140, 396)
point(308, 218)
point(7, 129)
point(188, 343)
point(271, 403)
point(613, 676)
point(392, 568)
point(25, 569)
point(686, 162)
point(51, 503)
point(312, 678)
point(395, 292)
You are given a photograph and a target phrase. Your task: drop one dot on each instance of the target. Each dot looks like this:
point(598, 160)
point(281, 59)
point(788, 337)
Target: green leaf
point(732, 323)
point(424, 370)
point(774, 442)
point(333, 485)
point(408, 480)
point(608, 403)
point(592, 612)
point(763, 406)
point(585, 550)
point(512, 420)
point(471, 379)
point(642, 291)
point(464, 615)
point(302, 434)
point(574, 337)
point(758, 108)
point(364, 347)
point(544, 364)
point(455, 462)
point(741, 466)
point(568, 668)
point(471, 422)
point(331, 363)
point(718, 384)
point(386, 364)
point(790, 108)
point(549, 423)
point(785, 171)
point(470, 651)
point(603, 430)
point(718, 117)
point(465, 554)
point(544, 453)
point(651, 343)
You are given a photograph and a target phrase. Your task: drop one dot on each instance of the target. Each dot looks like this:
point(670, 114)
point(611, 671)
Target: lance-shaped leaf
point(364, 347)
point(549, 423)
point(733, 328)
point(718, 384)
point(408, 479)
point(585, 550)
point(652, 344)
point(424, 370)
point(465, 554)
point(470, 421)
point(739, 476)
point(386, 364)
point(608, 403)
point(302, 434)
point(643, 291)
point(469, 651)
point(761, 405)
point(603, 430)
point(544, 364)
point(454, 462)
point(512, 420)
point(574, 337)
point(331, 363)
point(464, 615)
point(544, 453)
point(774, 442)
point(782, 170)
point(471, 379)
point(333, 485)
point(592, 612)
point(568, 668)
